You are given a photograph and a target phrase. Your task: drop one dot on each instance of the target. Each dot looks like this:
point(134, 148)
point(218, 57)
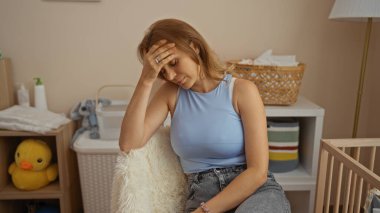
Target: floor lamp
point(358, 10)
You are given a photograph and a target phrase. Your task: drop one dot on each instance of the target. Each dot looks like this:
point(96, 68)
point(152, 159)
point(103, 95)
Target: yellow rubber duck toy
point(31, 169)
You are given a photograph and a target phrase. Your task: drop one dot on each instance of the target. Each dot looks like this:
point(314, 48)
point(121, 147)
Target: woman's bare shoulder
point(246, 93)
point(245, 87)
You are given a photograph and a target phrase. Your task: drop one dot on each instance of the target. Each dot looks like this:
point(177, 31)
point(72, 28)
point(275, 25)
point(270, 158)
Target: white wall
point(76, 47)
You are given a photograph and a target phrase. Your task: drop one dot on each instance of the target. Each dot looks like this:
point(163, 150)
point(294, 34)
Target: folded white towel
point(23, 127)
point(247, 61)
point(30, 119)
point(267, 58)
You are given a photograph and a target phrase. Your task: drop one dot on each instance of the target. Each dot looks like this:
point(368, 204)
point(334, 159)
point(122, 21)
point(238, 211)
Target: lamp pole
point(361, 79)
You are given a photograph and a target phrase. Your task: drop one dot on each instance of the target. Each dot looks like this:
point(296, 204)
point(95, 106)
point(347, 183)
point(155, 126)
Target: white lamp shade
point(355, 10)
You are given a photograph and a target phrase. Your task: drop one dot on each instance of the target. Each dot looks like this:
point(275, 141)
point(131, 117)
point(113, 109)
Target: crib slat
point(338, 188)
point(329, 183)
point(371, 164)
point(321, 181)
point(347, 195)
point(359, 195)
point(353, 194)
point(339, 185)
point(372, 159)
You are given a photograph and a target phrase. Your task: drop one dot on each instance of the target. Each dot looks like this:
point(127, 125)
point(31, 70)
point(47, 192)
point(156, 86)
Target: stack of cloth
point(26, 118)
point(268, 59)
point(283, 138)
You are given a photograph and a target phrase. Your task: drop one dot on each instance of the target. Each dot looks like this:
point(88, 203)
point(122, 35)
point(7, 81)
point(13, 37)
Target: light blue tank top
point(206, 132)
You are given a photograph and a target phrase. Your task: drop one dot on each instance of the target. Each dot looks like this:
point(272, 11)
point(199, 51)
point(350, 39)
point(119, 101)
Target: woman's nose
point(170, 74)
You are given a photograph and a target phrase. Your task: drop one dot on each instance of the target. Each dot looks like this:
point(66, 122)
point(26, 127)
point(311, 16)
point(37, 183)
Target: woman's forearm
point(133, 125)
point(238, 190)
point(132, 128)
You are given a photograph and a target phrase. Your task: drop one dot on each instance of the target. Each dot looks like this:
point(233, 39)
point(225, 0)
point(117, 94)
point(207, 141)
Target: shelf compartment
point(310, 117)
point(51, 191)
point(26, 205)
point(8, 146)
point(296, 180)
point(64, 192)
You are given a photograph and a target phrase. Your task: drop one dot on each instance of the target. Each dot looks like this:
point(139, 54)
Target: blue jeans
point(268, 198)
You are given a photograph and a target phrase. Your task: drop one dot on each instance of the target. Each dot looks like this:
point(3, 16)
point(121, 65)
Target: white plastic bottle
point(39, 95)
point(23, 96)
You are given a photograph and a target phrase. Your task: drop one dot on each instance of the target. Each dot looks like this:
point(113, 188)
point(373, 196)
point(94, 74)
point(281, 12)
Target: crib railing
point(348, 176)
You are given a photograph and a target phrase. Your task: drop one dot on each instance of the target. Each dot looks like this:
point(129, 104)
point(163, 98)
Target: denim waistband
point(221, 170)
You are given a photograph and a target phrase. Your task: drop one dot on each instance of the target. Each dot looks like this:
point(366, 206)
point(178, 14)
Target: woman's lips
point(181, 81)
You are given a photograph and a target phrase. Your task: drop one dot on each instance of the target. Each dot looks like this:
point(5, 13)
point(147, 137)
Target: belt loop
point(196, 177)
point(220, 176)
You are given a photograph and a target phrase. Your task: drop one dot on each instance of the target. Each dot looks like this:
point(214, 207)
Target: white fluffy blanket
point(150, 179)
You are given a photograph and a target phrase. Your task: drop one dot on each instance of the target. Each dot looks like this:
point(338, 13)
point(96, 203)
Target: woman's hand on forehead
point(160, 54)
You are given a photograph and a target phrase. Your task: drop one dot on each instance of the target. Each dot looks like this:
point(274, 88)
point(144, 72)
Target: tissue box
point(278, 85)
point(283, 138)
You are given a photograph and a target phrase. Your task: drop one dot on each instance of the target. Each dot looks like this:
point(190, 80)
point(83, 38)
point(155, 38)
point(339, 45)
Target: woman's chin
point(185, 85)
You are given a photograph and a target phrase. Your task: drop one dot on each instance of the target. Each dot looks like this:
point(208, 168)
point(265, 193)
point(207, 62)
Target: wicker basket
point(277, 85)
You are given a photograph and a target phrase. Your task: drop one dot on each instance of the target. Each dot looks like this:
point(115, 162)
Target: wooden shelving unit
point(65, 191)
point(310, 117)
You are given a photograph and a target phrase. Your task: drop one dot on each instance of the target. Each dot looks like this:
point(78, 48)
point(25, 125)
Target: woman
point(218, 127)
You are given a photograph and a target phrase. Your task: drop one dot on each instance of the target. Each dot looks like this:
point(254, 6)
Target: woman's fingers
point(162, 52)
point(157, 53)
point(155, 46)
point(166, 60)
point(160, 57)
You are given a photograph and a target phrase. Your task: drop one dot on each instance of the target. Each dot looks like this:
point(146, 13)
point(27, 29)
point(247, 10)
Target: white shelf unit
point(310, 117)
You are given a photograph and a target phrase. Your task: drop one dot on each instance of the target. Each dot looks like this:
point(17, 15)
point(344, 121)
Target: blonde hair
point(183, 35)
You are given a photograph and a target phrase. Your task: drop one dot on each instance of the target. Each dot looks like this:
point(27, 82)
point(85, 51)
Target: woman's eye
point(173, 62)
point(163, 72)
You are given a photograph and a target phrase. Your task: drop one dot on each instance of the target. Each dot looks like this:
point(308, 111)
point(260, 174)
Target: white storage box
point(111, 116)
point(110, 119)
point(96, 161)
